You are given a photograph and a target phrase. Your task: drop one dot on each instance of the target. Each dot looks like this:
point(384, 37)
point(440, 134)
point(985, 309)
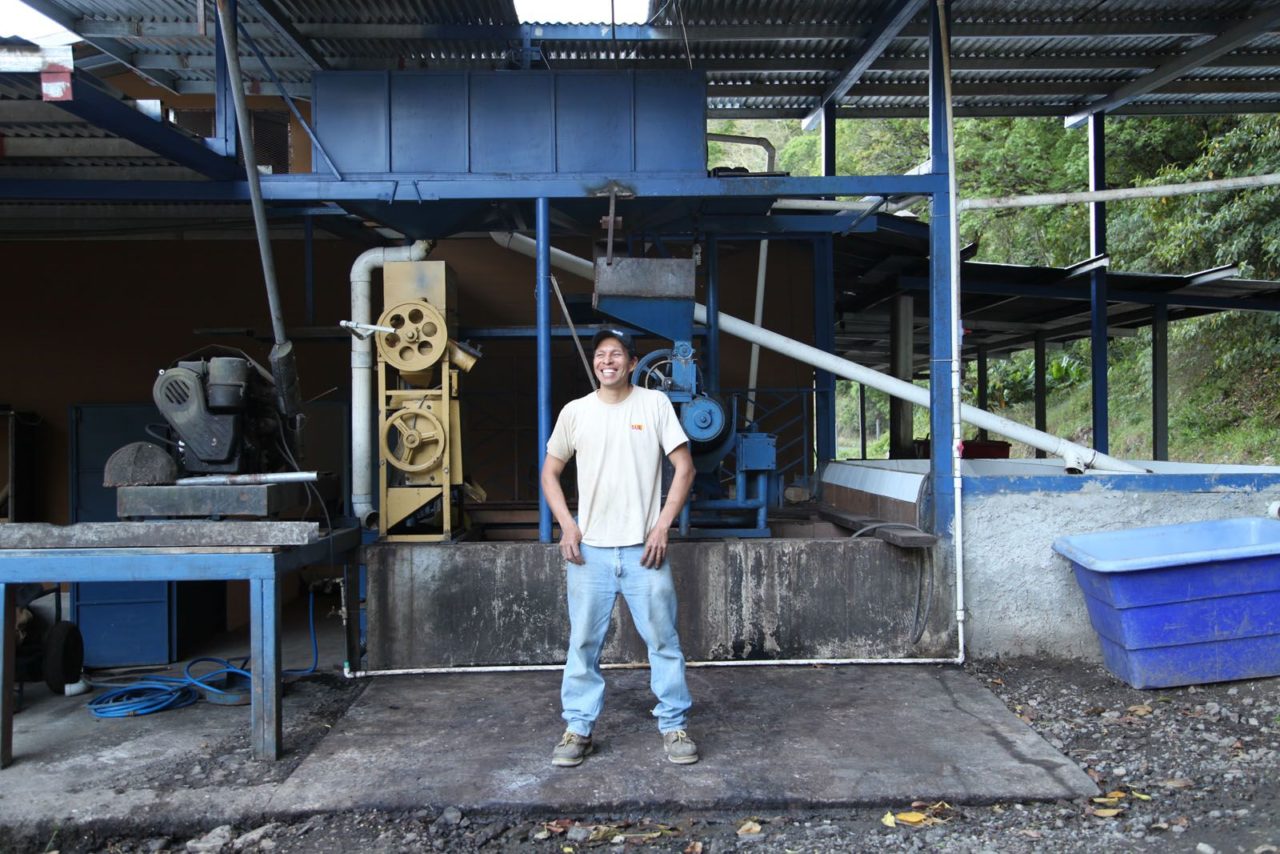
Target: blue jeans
point(651, 596)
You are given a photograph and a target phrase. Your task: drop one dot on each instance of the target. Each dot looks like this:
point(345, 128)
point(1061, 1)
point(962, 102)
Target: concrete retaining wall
point(503, 603)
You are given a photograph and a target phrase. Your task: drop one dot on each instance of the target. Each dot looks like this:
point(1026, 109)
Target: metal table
point(262, 566)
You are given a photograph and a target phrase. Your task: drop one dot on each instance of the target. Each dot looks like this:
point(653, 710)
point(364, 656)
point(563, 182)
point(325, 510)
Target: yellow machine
point(419, 434)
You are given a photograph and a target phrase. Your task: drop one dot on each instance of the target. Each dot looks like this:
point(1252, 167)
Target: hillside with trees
point(1224, 405)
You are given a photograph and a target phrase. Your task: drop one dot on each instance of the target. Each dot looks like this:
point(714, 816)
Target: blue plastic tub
point(1183, 604)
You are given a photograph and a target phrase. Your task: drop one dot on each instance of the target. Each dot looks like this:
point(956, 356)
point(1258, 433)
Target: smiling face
point(612, 365)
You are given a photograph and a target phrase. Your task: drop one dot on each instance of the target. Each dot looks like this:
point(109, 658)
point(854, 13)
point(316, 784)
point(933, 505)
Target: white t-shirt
point(620, 447)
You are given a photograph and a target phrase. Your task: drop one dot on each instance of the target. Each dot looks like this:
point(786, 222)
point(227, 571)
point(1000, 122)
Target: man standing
point(618, 543)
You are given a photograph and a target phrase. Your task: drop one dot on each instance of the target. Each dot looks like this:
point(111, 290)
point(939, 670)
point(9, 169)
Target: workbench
point(170, 555)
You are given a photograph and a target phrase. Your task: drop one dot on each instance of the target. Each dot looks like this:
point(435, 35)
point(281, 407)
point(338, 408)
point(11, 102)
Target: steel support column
point(943, 329)
point(824, 338)
point(224, 110)
point(862, 419)
point(308, 269)
point(1041, 393)
point(542, 294)
point(713, 315)
point(1098, 280)
point(1160, 384)
point(829, 138)
point(902, 352)
point(982, 387)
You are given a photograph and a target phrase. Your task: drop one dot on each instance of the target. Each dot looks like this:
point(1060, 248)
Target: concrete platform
point(770, 738)
point(794, 737)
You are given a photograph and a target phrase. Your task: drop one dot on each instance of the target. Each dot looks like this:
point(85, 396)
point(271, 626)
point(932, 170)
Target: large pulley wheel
point(418, 338)
point(413, 440)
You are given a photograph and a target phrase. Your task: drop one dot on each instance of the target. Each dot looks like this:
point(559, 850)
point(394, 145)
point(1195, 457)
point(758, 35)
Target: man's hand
point(655, 548)
point(570, 538)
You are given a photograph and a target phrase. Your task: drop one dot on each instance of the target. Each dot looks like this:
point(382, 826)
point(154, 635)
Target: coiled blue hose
point(152, 694)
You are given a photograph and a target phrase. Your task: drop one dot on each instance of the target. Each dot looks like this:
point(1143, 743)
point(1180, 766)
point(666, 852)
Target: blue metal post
point(713, 315)
point(224, 110)
point(824, 338)
point(1098, 280)
point(543, 297)
point(308, 240)
point(942, 321)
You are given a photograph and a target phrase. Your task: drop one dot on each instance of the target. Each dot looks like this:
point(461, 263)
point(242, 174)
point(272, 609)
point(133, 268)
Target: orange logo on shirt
point(637, 426)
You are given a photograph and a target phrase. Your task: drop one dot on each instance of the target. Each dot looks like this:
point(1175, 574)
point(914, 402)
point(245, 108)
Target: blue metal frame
point(111, 114)
point(543, 297)
point(943, 323)
point(263, 569)
point(1098, 281)
point(712, 346)
point(824, 338)
point(386, 187)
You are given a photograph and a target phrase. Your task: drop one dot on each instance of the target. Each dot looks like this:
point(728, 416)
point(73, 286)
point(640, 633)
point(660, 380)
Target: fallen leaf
point(1177, 783)
point(912, 817)
point(1159, 825)
point(542, 834)
point(1108, 801)
point(1116, 794)
point(1140, 710)
point(1140, 796)
point(997, 681)
point(888, 820)
point(1031, 834)
point(1108, 813)
point(1094, 774)
point(1181, 821)
point(568, 849)
point(748, 828)
point(693, 848)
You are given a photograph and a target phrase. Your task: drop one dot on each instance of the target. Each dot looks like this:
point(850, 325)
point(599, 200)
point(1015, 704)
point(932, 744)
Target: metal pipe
point(248, 479)
point(1077, 457)
point(362, 365)
point(1041, 199)
point(284, 369)
point(228, 28)
point(770, 153)
point(758, 318)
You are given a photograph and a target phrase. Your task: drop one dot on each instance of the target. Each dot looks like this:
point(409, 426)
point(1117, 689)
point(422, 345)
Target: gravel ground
point(1187, 769)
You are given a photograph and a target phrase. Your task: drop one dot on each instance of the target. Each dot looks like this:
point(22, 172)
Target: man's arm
point(655, 545)
point(570, 534)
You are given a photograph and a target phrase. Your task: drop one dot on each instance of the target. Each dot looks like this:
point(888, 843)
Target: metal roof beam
point(877, 39)
point(114, 115)
point(200, 62)
point(50, 147)
point(133, 30)
point(988, 110)
point(1242, 33)
point(251, 87)
point(111, 47)
point(985, 89)
point(278, 21)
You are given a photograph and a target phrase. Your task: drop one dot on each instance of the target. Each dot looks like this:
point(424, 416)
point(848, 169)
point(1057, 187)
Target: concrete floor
point(770, 737)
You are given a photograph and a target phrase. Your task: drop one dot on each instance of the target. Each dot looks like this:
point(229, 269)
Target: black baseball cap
point(623, 338)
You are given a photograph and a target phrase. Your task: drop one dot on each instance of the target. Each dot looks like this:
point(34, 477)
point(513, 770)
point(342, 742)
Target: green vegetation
point(1224, 401)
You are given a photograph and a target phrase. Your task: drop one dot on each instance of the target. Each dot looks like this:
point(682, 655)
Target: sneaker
point(679, 747)
point(571, 750)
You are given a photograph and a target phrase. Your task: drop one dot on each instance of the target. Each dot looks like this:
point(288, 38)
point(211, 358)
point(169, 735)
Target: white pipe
point(362, 365)
point(559, 258)
point(1221, 184)
point(516, 668)
point(1077, 457)
point(770, 153)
